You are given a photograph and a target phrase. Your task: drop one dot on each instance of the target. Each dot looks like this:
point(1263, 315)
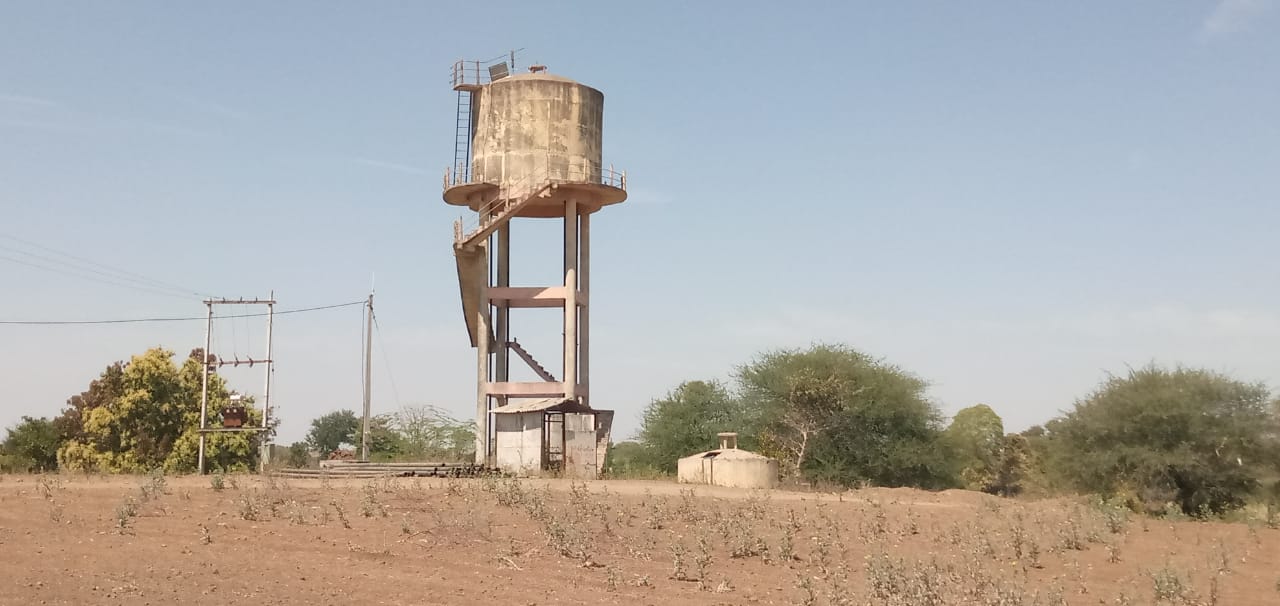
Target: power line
point(116, 280)
point(186, 319)
point(94, 279)
point(109, 270)
point(386, 361)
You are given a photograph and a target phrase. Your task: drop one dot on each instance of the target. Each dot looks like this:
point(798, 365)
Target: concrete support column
point(571, 298)
point(502, 372)
point(482, 370)
point(584, 317)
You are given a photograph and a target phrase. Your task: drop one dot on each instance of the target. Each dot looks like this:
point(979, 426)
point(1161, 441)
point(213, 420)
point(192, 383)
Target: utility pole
point(264, 458)
point(368, 377)
point(211, 361)
point(204, 384)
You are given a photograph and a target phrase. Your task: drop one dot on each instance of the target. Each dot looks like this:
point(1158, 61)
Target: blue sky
point(1009, 199)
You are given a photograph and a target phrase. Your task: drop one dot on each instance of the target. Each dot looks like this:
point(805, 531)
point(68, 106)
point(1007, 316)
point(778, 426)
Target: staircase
point(506, 205)
point(528, 359)
point(473, 259)
point(462, 143)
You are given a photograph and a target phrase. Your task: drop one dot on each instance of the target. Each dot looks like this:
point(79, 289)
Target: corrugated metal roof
point(543, 405)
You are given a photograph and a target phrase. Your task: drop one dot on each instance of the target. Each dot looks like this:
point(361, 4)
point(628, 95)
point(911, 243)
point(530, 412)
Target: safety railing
point(475, 73)
point(515, 192)
point(604, 176)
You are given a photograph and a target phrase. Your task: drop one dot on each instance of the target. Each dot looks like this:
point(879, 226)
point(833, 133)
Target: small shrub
point(702, 559)
point(125, 513)
point(1114, 514)
point(295, 514)
point(369, 505)
point(678, 571)
point(217, 481)
point(509, 492)
point(248, 506)
point(1169, 587)
point(342, 514)
point(453, 487)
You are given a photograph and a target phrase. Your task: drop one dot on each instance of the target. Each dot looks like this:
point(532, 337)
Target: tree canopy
point(828, 412)
point(31, 445)
point(976, 439)
point(1191, 437)
point(833, 413)
point(427, 432)
point(145, 415)
point(413, 432)
point(331, 431)
point(686, 421)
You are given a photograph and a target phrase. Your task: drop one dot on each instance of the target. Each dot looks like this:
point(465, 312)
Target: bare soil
point(77, 540)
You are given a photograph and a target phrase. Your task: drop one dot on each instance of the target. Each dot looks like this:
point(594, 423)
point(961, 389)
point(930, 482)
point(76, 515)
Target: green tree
point(1014, 467)
point(1191, 437)
point(385, 443)
point(330, 432)
point(426, 432)
point(976, 439)
point(145, 415)
point(102, 391)
point(31, 445)
point(836, 414)
point(299, 455)
point(625, 458)
point(686, 421)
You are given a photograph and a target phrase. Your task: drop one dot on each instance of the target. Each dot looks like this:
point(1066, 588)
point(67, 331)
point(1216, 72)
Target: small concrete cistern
point(528, 146)
point(728, 466)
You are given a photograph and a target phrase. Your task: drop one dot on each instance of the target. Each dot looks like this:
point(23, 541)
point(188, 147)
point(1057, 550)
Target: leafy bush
point(1190, 437)
point(31, 445)
point(686, 421)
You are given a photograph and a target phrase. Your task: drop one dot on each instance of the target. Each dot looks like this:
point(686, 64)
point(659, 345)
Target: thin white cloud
point(162, 128)
point(41, 125)
point(205, 105)
point(404, 168)
point(1232, 16)
point(27, 100)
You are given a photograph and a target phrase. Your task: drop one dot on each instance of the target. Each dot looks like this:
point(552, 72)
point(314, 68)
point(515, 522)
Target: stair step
point(528, 359)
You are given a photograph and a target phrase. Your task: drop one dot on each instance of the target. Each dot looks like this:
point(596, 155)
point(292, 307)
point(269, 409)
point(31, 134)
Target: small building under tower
point(552, 436)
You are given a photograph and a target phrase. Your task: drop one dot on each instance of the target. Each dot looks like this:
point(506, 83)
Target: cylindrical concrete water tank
point(537, 126)
point(534, 129)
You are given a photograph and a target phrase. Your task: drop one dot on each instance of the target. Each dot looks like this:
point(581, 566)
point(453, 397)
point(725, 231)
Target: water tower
point(529, 148)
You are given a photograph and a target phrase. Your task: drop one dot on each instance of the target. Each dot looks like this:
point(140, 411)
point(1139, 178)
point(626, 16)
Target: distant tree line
point(1158, 439)
point(418, 433)
point(144, 414)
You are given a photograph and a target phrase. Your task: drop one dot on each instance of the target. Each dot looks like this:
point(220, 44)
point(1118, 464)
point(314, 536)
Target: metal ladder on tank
point(462, 144)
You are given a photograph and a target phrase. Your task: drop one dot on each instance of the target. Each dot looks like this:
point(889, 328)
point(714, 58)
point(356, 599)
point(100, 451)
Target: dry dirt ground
point(178, 540)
